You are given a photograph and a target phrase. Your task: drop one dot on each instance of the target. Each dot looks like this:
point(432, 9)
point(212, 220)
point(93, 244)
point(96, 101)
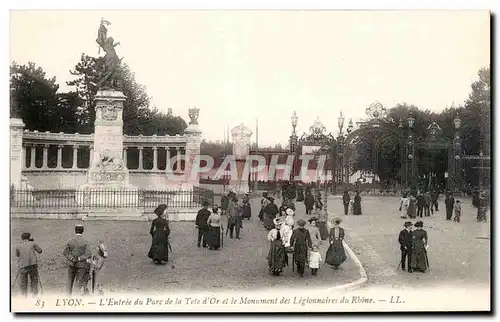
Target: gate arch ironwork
point(325, 141)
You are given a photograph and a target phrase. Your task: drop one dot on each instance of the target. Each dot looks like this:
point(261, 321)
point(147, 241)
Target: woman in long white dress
point(403, 206)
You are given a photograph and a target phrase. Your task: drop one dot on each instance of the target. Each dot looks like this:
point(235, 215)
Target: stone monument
point(108, 176)
point(241, 149)
point(193, 133)
point(17, 181)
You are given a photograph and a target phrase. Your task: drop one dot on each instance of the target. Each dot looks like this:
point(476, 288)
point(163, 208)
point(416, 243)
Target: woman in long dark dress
point(277, 258)
point(270, 212)
point(160, 232)
point(357, 204)
point(213, 222)
point(418, 259)
point(247, 209)
point(335, 255)
point(301, 243)
point(412, 208)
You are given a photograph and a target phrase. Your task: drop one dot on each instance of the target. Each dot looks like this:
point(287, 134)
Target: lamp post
point(457, 169)
point(347, 169)
point(340, 152)
point(293, 143)
point(401, 154)
point(481, 174)
point(411, 148)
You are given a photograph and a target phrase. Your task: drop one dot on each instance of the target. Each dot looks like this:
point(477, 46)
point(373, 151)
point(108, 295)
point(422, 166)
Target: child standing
point(95, 264)
point(314, 260)
point(458, 211)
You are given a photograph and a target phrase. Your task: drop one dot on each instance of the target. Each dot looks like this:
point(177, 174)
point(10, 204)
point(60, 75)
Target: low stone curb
point(360, 281)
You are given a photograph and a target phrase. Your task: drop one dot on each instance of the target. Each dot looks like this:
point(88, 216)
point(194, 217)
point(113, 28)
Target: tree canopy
point(35, 99)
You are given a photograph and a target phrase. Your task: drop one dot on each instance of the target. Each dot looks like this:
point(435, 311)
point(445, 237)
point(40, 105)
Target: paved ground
point(241, 264)
point(459, 254)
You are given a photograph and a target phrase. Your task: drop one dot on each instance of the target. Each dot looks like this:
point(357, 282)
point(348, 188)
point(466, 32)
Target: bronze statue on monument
point(111, 66)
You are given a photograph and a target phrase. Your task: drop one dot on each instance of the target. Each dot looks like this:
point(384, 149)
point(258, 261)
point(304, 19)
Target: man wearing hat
point(28, 263)
point(405, 241)
point(224, 203)
point(201, 223)
point(346, 199)
point(301, 243)
point(247, 209)
point(77, 251)
point(449, 203)
point(234, 218)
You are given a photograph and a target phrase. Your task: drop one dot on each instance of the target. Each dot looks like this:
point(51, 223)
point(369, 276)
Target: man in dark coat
point(76, 252)
point(201, 223)
point(235, 217)
point(434, 201)
point(309, 202)
point(420, 204)
point(449, 203)
point(405, 241)
point(301, 243)
point(346, 198)
point(224, 203)
point(427, 204)
point(300, 193)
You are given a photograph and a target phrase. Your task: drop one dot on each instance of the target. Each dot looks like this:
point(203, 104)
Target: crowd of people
point(290, 238)
point(424, 204)
point(299, 240)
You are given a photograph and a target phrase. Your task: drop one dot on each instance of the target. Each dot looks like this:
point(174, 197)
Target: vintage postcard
point(250, 161)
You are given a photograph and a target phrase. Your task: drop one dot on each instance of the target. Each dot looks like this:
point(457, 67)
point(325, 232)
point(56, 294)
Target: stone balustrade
point(46, 151)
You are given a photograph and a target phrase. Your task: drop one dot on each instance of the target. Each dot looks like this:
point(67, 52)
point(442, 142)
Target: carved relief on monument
point(109, 113)
point(97, 176)
point(108, 162)
point(241, 141)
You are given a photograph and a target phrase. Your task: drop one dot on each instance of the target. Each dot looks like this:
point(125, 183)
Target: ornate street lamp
point(350, 127)
point(411, 147)
point(293, 143)
point(294, 120)
point(341, 122)
point(411, 120)
point(457, 171)
point(457, 121)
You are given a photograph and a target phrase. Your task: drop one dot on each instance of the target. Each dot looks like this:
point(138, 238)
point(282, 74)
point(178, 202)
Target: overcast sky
point(237, 66)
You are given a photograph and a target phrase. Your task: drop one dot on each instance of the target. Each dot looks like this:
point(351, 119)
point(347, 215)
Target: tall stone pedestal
point(17, 181)
point(108, 177)
point(193, 133)
point(241, 149)
point(16, 151)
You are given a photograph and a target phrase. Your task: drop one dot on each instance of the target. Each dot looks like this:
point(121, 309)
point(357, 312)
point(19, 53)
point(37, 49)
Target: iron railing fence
point(73, 200)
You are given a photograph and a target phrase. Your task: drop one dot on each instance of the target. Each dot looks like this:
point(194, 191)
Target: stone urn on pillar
point(241, 149)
